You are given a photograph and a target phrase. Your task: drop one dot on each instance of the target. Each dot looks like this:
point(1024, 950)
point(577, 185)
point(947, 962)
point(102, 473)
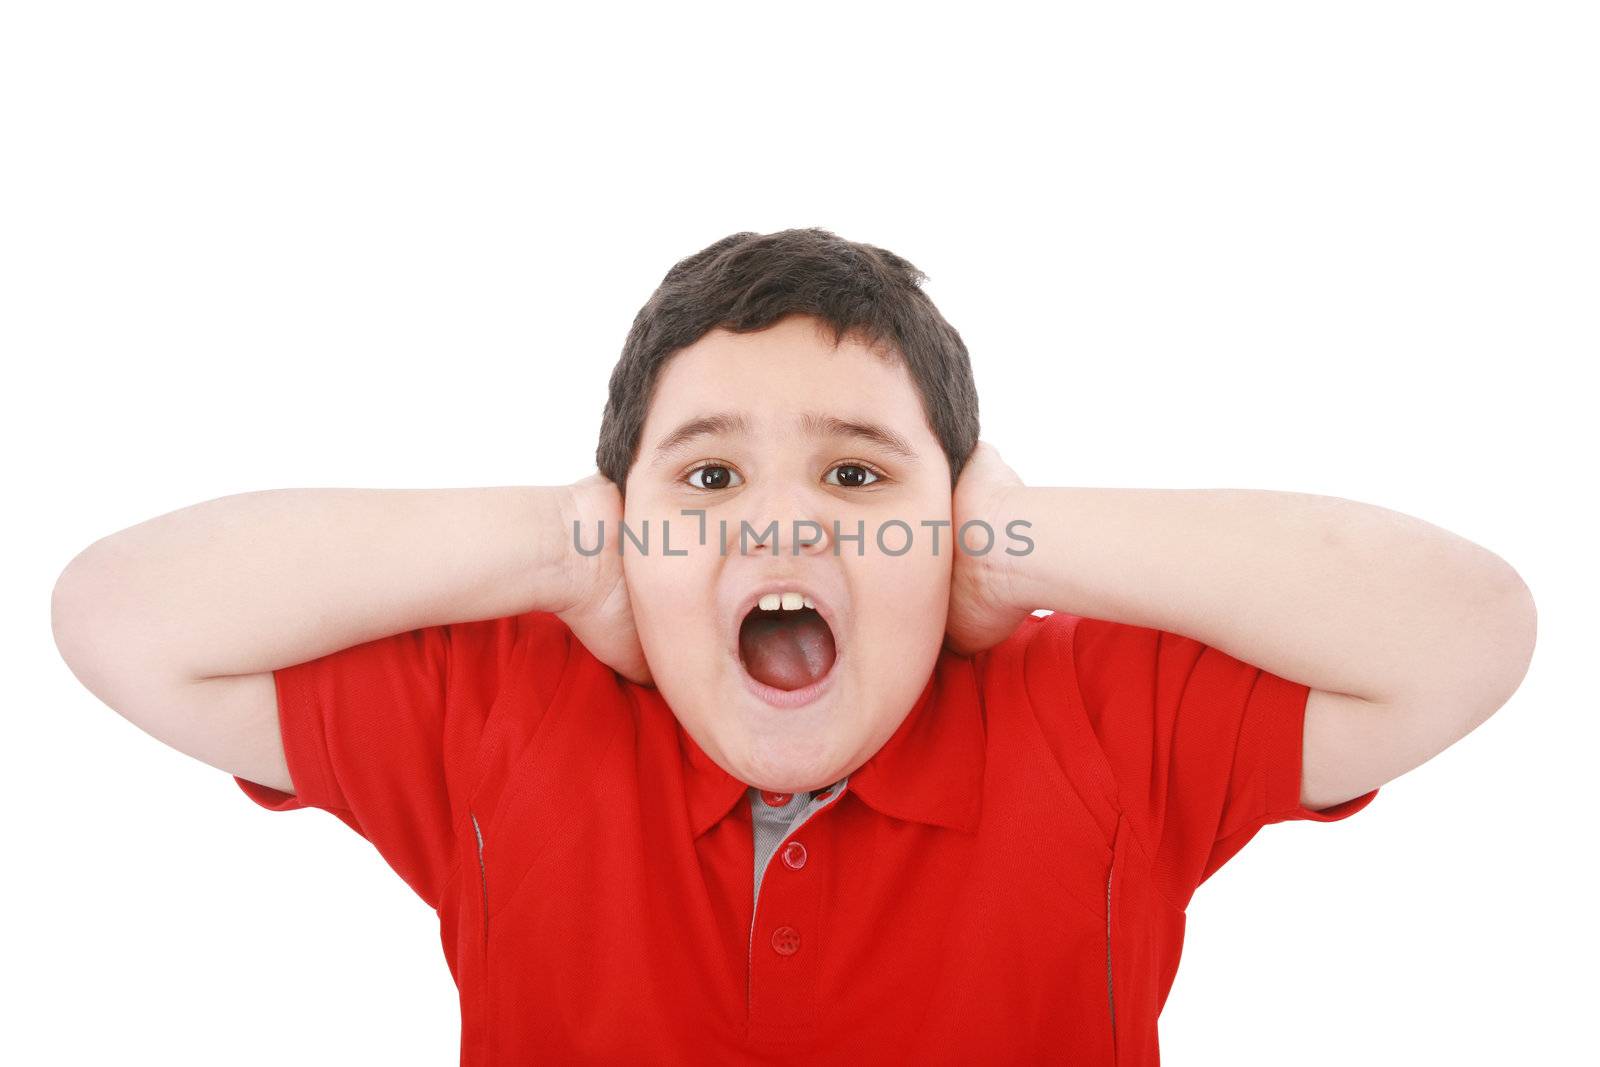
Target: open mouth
point(785, 643)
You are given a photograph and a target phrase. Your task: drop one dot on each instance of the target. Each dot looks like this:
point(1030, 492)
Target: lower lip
point(792, 698)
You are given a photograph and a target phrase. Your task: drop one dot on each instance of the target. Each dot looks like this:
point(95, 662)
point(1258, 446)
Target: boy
point(784, 769)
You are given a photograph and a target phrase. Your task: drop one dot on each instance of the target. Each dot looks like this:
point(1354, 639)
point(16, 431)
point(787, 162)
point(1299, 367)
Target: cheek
point(904, 601)
point(672, 598)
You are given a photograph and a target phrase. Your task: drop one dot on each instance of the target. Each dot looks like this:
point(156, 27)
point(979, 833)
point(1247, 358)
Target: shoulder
point(1035, 708)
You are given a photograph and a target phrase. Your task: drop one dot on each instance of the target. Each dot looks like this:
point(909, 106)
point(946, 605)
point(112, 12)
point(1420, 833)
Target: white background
point(1344, 249)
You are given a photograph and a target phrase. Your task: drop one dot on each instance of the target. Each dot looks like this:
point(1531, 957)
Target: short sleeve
point(1205, 748)
point(384, 734)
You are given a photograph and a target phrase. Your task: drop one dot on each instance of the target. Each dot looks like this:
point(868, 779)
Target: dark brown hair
point(747, 281)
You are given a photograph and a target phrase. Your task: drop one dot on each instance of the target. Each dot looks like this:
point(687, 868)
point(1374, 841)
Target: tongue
point(786, 649)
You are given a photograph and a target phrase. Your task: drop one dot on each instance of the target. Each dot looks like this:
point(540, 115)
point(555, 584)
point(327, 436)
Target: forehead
point(788, 366)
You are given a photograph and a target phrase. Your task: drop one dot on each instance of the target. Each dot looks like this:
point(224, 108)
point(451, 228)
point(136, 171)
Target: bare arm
point(1408, 636)
point(178, 622)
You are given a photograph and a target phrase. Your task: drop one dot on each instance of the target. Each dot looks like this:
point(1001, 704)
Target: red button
point(786, 941)
point(776, 800)
point(794, 855)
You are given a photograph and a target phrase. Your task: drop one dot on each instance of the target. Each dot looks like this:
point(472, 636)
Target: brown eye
point(712, 476)
point(853, 476)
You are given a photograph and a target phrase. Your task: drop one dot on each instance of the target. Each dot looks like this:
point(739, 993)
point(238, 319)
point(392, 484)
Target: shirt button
point(776, 800)
point(794, 855)
point(786, 941)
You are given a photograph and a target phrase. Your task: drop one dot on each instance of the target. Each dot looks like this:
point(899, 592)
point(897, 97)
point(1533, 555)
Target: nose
point(783, 523)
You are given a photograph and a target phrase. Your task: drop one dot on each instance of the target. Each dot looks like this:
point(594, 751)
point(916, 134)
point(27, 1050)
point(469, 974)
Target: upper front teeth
point(787, 601)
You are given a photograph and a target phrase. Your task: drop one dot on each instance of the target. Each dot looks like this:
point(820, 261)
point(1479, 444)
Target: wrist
point(1012, 563)
point(590, 516)
point(575, 570)
point(1003, 571)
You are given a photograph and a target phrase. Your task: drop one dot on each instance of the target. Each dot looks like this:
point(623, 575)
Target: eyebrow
point(829, 426)
point(724, 423)
point(814, 423)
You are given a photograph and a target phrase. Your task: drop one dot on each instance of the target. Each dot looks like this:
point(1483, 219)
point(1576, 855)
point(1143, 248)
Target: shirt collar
point(929, 771)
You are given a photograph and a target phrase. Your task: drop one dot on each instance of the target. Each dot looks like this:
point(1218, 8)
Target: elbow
point(1526, 612)
point(1515, 630)
point(69, 611)
point(78, 609)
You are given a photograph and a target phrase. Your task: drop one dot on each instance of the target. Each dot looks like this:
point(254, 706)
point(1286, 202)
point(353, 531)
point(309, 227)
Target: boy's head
point(785, 389)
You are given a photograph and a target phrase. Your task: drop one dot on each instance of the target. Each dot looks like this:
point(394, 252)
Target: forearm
point(262, 580)
point(1335, 594)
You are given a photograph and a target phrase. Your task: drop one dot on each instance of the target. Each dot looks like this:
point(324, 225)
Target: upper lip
point(751, 596)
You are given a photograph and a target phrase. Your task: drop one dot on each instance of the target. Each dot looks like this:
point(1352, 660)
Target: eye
point(713, 476)
point(854, 475)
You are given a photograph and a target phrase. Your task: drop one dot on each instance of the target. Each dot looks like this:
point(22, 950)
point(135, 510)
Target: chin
point(786, 750)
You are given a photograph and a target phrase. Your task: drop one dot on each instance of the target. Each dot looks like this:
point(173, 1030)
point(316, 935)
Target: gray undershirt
point(771, 825)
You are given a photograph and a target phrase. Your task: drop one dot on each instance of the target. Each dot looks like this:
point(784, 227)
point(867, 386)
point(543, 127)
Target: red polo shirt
point(1003, 882)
